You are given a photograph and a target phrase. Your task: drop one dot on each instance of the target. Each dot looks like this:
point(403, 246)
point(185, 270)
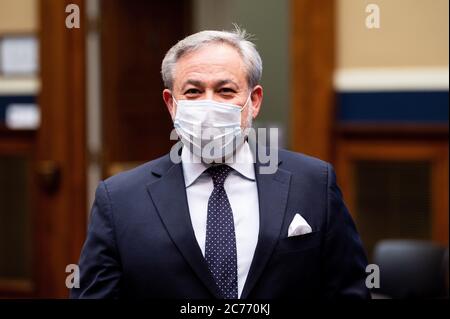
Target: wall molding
point(391, 79)
point(19, 86)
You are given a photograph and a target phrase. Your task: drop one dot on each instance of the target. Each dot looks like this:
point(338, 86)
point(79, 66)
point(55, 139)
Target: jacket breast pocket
point(299, 243)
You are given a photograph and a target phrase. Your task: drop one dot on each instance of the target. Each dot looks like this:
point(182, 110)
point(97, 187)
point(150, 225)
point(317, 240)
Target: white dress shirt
point(242, 192)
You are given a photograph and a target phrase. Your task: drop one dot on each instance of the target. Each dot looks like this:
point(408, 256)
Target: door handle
point(49, 176)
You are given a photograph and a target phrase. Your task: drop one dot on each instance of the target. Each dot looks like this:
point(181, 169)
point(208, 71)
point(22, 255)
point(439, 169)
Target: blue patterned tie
point(220, 250)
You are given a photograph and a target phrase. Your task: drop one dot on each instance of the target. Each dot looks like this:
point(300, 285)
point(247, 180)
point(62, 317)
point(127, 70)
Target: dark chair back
point(411, 269)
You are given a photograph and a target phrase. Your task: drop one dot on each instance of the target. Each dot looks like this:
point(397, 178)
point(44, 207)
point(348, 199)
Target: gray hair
point(239, 39)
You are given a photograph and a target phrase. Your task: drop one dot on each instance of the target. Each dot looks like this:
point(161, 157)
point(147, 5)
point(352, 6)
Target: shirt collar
point(193, 167)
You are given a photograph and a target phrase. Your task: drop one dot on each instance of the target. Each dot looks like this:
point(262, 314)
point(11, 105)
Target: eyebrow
point(216, 84)
point(226, 81)
point(192, 82)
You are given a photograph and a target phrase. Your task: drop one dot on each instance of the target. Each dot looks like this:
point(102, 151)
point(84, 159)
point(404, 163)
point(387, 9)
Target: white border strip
point(19, 86)
point(392, 79)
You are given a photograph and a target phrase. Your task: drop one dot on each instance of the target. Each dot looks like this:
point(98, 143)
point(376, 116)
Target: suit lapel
point(169, 196)
point(273, 192)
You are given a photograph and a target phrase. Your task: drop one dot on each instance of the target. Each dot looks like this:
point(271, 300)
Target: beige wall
point(413, 33)
point(18, 16)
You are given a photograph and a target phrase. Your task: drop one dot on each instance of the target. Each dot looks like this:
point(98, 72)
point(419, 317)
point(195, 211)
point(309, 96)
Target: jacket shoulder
point(294, 161)
point(138, 176)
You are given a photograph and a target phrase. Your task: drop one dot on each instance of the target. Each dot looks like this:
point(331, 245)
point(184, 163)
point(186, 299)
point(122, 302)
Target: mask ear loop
point(246, 103)
point(176, 103)
point(175, 100)
point(243, 108)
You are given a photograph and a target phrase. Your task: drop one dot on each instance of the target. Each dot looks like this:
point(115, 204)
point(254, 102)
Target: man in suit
point(197, 224)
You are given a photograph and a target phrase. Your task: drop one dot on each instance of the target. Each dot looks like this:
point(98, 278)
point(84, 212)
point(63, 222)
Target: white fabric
point(298, 226)
point(209, 128)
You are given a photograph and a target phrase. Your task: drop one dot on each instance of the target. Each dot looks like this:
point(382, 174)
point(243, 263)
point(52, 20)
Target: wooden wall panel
point(135, 37)
point(434, 152)
point(61, 146)
point(312, 59)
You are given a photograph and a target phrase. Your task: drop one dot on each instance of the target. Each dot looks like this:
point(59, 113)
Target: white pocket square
point(298, 226)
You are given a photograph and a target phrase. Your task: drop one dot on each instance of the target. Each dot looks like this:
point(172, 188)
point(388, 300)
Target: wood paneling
point(312, 59)
point(135, 37)
point(13, 142)
point(399, 131)
point(61, 214)
point(434, 152)
point(19, 144)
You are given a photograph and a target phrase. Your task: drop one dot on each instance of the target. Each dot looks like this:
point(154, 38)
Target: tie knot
point(219, 173)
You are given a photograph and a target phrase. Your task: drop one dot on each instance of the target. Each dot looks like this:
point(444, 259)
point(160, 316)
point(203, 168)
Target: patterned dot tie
point(220, 250)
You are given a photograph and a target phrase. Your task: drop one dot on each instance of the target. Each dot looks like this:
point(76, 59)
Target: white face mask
point(211, 130)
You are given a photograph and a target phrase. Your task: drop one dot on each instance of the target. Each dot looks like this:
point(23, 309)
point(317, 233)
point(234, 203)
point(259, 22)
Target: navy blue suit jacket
point(141, 243)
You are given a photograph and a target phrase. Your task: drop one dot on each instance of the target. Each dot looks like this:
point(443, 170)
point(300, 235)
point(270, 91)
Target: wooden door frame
point(435, 152)
point(313, 62)
point(61, 215)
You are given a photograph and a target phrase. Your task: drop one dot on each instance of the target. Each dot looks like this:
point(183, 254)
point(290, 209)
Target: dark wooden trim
point(397, 131)
point(135, 35)
point(16, 288)
point(393, 150)
point(7, 133)
point(16, 144)
point(19, 144)
point(313, 61)
point(61, 216)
